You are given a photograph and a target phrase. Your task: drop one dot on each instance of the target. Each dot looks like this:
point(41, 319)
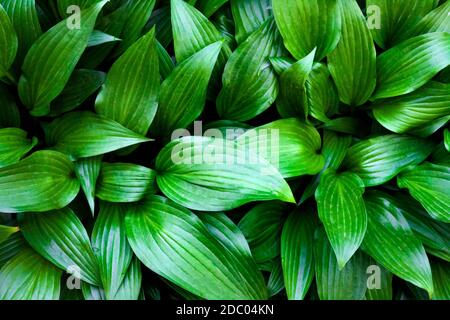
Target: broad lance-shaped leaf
point(447, 139)
point(408, 66)
point(353, 63)
point(275, 284)
point(52, 59)
point(391, 242)
point(402, 114)
point(211, 174)
point(380, 159)
point(11, 247)
point(183, 93)
point(130, 93)
point(297, 254)
point(42, 182)
point(161, 19)
point(289, 145)
point(166, 64)
point(262, 227)
point(28, 276)
point(130, 288)
point(174, 243)
point(82, 84)
point(14, 144)
point(98, 37)
point(342, 211)
point(122, 182)
point(430, 185)
point(64, 5)
point(111, 247)
point(8, 44)
point(6, 232)
point(391, 21)
point(249, 83)
point(349, 283)
point(60, 237)
point(437, 20)
point(431, 127)
point(85, 134)
point(306, 25)
point(9, 115)
point(441, 279)
point(249, 15)
point(88, 170)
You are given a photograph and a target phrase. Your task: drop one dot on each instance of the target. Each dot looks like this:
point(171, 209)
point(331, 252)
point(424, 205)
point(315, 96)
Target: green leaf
point(161, 19)
point(397, 18)
point(122, 182)
point(28, 276)
point(85, 134)
point(348, 125)
point(342, 211)
point(183, 93)
point(52, 59)
point(111, 247)
point(333, 283)
point(9, 115)
point(11, 247)
point(289, 145)
point(92, 293)
point(8, 44)
point(249, 15)
point(209, 7)
point(275, 284)
point(63, 5)
point(14, 144)
point(447, 139)
point(42, 182)
point(88, 170)
point(378, 160)
point(441, 280)
point(98, 37)
point(430, 128)
point(436, 20)
point(306, 25)
point(82, 84)
point(166, 64)
point(209, 174)
point(379, 282)
point(174, 243)
point(408, 66)
point(60, 237)
point(262, 227)
point(391, 242)
point(297, 256)
point(353, 63)
point(6, 232)
point(402, 114)
point(130, 289)
point(429, 184)
point(130, 93)
point(249, 84)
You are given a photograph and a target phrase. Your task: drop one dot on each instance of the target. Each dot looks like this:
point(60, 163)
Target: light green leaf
point(14, 144)
point(306, 25)
point(447, 139)
point(8, 44)
point(430, 128)
point(209, 174)
point(342, 211)
point(380, 159)
point(130, 289)
point(85, 134)
point(88, 170)
point(98, 37)
point(9, 115)
point(122, 182)
point(353, 63)
point(437, 20)
point(174, 243)
point(249, 15)
point(60, 237)
point(42, 182)
point(92, 293)
point(6, 232)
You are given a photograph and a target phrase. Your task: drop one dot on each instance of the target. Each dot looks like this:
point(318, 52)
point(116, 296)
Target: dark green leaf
point(379, 282)
point(8, 44)
point(14, 144)
point(88, 170)
point(209, 7)
point(438, 20)
point(9, 115)
point(249, 15)
point(441, 280)
point(11, 247)
point(6, 232)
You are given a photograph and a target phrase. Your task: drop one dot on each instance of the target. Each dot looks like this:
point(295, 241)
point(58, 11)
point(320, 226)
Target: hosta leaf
point(11, 247)
point(249, 15)
point(380, 159)
point(82, 84)
point(347, 125)
point(391, 242)
point(166, 64)
point(447, 139)
point(342, 211)
point(297, 256)
point(85, 134)
point(441, 280)
point(130, 289)
point(249, 83)
point(437, 20)
point(52, 59)
point(63, 5)
point(175, 244)
point(191, 176)
point(60, 237)
point(8, 44)
point(397, 18)
point(289, 145)
point(416, 109)
point(408, 66)
point(306, 25)
point(9, 115)
point(334, 283)
point(262, 227)
point(42, 182)
point(130, 93)
point(161, 19)
point(183, 93)
point(111, 247)
point(429, 184)
point(92, 293)
point(353, 63)
point(28, 276)
point(122, 182)
point(209, 7)
point(431, 127)
point(88, 170)
point(379, 282)
point(275, 284)
point(14, 144)
point(98, 37)
point(6, 232)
